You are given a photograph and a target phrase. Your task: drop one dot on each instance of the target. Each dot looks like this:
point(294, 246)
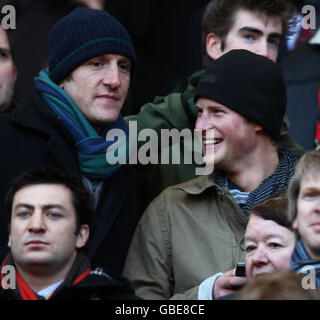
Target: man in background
point(8, 73)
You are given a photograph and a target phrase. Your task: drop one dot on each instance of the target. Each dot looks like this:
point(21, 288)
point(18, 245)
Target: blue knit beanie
point(83, 34)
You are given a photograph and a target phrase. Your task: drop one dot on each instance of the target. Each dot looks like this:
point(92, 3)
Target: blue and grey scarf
point(91, 147)
point(300, 260)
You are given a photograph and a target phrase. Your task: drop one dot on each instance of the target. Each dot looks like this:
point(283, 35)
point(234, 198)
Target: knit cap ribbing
point(83, 34)
point(249, 84)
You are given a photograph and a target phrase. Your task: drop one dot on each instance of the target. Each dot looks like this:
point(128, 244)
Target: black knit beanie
point(83, 34)
point(249, 84)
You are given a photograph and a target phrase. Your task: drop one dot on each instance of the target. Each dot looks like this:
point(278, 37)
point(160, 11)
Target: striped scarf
point(270, 187)
point(91, 148)
point(302, 263)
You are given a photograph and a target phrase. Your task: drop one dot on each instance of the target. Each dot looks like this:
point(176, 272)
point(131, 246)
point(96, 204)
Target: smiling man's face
point(227, 137)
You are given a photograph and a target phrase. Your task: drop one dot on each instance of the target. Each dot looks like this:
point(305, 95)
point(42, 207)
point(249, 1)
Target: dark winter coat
point(33, 136)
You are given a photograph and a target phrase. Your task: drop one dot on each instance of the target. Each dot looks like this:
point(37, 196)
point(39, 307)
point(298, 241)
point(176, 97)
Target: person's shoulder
point(195, 186)
point(100, 277)
point(107, 285)
point(7, 120)
point(182, 193)
point(106, 276)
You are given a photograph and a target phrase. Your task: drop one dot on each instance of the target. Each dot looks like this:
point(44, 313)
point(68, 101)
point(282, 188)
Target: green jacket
point(177, 110)
point(189, 233)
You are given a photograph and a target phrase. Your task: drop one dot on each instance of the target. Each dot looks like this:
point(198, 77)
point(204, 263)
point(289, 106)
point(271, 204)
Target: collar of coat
point(36, 115)
point(78, 272)
point(198, 185)
point(201, 184)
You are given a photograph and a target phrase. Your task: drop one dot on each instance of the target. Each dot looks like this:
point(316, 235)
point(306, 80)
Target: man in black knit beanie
point(195, 230)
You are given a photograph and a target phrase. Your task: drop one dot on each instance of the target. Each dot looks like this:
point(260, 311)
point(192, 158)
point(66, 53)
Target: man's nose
point(203, 122)
point(36, 222)
point(111, 77)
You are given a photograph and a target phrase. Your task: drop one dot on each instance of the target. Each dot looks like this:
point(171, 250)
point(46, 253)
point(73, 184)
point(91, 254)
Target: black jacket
point(301, 70)
point(98, 285)
point(33, 136)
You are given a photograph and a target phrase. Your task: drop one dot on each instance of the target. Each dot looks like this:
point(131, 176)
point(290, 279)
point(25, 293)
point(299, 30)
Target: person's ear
point(61, 84)
point(82, 236)
point(257, 127)
point(213, 46)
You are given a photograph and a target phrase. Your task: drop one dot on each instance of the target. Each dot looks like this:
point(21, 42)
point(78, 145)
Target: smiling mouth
point(209, 142)
point(316, 225)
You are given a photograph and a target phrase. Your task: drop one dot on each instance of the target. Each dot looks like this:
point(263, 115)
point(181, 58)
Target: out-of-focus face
point(307, 222)
point(94, 4)
point(99, 87)
point(251, 31)
point(269, 246)
point(43, 228)
point(8, 72)
point(227, 137)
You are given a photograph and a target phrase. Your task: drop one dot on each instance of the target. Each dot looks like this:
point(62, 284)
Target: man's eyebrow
point(6, 50)
point(310, 189)
point(259, 32)
point(251, 29)
point(53, 206)
point(124, 60)
point(46, 206)
point(23, 205)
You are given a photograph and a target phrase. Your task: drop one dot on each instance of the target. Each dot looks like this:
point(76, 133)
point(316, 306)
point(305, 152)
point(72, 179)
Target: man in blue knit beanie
point(77, 100)
point(92, 58)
